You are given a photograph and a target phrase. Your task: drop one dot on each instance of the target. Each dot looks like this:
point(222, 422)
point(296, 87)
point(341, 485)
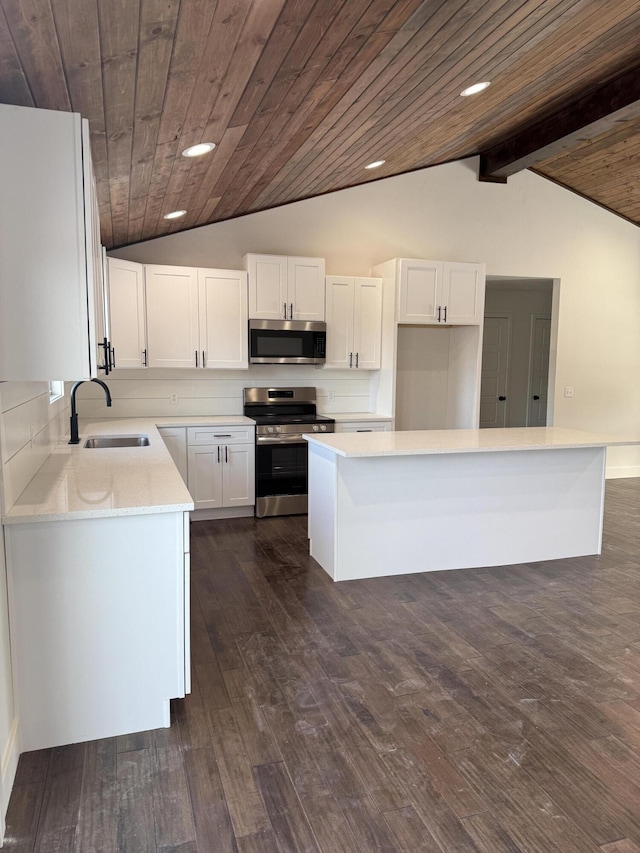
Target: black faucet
point(75, 438)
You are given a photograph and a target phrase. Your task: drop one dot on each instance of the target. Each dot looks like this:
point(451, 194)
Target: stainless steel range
point(282, 416)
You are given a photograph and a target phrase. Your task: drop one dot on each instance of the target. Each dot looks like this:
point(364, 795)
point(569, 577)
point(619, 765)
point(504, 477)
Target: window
point(56, 390)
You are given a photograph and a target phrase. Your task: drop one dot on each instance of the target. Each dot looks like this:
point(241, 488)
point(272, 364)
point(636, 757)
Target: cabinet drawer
point(365, 426)
point(220, 435)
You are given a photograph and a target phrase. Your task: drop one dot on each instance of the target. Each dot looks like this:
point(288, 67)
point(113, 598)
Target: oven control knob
point(278, 429)
point(323, 428)
point(316, 427)
point(270, 429)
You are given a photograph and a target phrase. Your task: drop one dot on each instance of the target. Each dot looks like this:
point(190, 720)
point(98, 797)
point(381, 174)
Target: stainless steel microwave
point(287, 342)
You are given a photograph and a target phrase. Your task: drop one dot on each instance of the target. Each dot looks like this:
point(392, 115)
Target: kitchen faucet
point(75, 438)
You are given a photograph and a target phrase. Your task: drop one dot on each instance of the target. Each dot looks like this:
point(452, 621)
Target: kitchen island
point(403, 502)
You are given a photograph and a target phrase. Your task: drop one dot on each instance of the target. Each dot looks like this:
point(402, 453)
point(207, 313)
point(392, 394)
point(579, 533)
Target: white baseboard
point(8, 771)
point(223, 512)
point(619, 472)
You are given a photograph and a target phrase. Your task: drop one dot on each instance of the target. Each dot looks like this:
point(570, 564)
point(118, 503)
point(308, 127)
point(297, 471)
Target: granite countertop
point(77, 482)
point(429, 442)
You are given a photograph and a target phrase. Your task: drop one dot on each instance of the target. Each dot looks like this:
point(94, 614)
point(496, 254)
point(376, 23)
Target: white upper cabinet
point(172, 316)
point(50, 257)
point(354, 322)
point(439, 292)
point(285, 288)
point(127, 313)
point(224, 340)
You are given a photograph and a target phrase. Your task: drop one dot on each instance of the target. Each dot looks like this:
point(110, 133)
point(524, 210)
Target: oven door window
point(281, 469)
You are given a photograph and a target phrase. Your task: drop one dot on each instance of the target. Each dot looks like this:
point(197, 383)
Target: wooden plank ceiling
point(300, 95)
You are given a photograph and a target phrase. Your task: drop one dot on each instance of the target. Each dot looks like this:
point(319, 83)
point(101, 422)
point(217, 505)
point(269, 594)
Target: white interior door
point(539, 366)
point(495, 371)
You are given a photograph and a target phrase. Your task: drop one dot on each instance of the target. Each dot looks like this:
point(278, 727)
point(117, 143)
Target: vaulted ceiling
point(300, 95)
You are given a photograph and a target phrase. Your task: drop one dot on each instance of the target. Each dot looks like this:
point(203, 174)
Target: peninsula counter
point(402, 502)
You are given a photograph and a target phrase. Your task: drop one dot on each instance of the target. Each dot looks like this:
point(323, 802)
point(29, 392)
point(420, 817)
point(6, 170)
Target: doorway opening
point(519, 352)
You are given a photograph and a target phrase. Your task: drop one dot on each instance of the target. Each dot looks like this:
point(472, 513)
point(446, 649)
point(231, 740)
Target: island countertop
point(442, 441)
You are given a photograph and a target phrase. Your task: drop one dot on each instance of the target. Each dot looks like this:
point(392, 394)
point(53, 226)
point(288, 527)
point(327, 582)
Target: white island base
point(399, 503)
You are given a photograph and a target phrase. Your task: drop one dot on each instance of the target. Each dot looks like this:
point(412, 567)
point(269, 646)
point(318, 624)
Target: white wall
point(529, 227)
point(520, 302)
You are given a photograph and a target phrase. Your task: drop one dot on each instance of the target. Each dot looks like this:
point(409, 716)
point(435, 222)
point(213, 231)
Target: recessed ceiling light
point(375, 164)
point(199, 149)
point(175, 214)
point(477, 87)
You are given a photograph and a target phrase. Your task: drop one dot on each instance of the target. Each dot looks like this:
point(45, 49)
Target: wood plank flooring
point(492, 710)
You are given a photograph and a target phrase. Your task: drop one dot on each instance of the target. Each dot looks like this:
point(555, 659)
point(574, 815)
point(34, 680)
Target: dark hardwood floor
point(493, 710)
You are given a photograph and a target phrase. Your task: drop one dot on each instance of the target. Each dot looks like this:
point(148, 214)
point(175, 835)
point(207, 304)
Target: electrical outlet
point(32, 433)
point(173, 399)
point(568, 390)
point(332, 396)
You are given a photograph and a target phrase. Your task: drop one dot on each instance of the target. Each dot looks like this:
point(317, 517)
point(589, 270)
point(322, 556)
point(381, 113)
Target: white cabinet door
point(47, 259)
point(419, 297)
point(176, 440)
point(205, 465)
point(367, 322)
point(172, 316)
point(268, 297)
point(238, 475)
point(305, 290)
point(340, 305)
point(463, 294)
point(354, 322)
point(224, 336)
point(127, 313)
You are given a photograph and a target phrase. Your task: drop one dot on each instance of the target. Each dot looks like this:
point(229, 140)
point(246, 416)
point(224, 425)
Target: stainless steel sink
point(117, 441)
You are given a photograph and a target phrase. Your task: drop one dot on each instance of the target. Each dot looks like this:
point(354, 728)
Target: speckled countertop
point(77, 482)
point(438, 441)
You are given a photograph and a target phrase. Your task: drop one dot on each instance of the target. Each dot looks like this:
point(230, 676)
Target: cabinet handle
point(226, 453)
point(445, 314)
point(197, 358)
point(284, 305)
point(357, 358)
point(222, 435)
point(113, 358)
point(144, 358)
point(291, 311)
point(439, 309)
point(364, 430)
point(105, 366)
point(218, 453)
point(204, 360)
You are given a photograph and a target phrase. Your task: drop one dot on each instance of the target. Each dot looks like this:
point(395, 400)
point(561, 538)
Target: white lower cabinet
point(365, 426)
point(99, 646)
point(221, 467)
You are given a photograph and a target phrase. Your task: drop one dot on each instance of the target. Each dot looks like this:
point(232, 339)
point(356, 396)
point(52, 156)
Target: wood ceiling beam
point(591, 115)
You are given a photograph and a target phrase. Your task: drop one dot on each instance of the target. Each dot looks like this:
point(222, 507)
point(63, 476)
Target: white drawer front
point(220, 435)
point(365, 426)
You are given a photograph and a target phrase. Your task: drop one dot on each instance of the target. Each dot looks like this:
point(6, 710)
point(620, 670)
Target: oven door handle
point(280, 439)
